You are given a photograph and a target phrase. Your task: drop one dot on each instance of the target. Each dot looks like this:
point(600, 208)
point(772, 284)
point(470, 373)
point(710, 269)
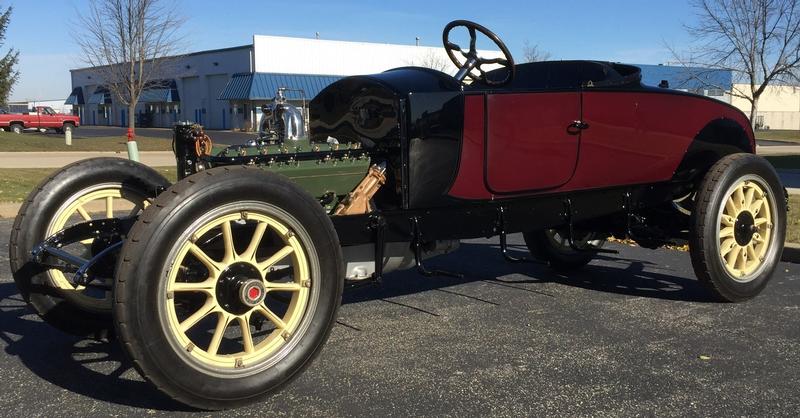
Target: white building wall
point(277, 54)
point(201, 77)
point(197, 77)
point(778, 106)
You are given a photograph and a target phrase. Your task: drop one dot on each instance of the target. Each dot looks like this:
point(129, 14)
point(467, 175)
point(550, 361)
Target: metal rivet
point(306, 283)
point(190, 347)
point(170, 295)
point(238, 363)
point(286, 335)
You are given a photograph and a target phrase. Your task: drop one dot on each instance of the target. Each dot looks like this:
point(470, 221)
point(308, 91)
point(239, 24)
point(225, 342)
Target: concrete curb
point(9, 209)
point(791, 253)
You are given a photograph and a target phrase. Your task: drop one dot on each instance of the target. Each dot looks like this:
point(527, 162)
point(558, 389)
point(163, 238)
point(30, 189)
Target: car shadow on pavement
point(97, 370)
point(482, 262)
point(101, 371)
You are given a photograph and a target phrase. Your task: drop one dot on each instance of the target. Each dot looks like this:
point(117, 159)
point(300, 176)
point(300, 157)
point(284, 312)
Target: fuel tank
point(412, 118)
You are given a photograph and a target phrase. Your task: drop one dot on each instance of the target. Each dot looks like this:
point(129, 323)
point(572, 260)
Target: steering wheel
point(472, 60)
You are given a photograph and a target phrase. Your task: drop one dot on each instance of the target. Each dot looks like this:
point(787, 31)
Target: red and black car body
point(563, 142)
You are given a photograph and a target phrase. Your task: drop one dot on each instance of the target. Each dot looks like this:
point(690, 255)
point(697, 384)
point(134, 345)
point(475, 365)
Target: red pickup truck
point(41, 117)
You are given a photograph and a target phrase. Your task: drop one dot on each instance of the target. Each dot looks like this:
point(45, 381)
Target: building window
point(716, 92)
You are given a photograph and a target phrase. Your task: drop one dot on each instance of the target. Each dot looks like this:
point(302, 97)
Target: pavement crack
point(504, 284)
point(468, 296)
point(411, 307)
point(353, 327)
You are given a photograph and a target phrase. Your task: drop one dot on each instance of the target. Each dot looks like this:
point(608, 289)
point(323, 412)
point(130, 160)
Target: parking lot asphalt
point(632, 334)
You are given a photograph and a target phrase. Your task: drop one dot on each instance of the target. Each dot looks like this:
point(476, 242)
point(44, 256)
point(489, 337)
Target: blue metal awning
point(160, 92)
point(76, 97)
point(100, 96)
point(687, 78)
point(264, 86)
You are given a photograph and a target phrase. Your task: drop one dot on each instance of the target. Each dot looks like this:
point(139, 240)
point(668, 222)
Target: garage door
point(218, 115)
point(193, 100)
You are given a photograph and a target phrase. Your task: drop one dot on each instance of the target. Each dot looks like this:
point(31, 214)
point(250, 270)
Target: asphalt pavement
point(632, 334)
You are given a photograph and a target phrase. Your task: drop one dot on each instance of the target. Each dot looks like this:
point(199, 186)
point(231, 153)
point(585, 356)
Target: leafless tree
point(131, 44)
point(757, 40)
point(434, 61)
point(532, 53)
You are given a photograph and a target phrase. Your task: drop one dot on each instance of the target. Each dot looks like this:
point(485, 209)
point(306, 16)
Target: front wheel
point(228, 286)
point(738, 227)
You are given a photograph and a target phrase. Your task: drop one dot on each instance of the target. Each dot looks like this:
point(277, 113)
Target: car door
point(531, 139)
point(45, 119)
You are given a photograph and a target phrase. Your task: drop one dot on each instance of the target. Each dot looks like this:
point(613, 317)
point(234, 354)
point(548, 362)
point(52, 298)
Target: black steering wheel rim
point(472, 60)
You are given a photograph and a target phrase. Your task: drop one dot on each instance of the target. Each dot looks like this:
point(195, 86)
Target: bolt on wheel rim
point(221, 291)
point(98, 202)
point(745, 225)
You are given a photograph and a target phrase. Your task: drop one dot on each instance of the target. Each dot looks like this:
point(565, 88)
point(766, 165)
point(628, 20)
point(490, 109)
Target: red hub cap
point(252, 292)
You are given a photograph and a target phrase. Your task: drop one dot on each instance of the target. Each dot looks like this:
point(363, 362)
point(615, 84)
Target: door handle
point(576, 127)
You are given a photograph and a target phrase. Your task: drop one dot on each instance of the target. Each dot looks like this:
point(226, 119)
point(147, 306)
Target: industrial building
point(225, 88)
point(57, 105)
point(778, 107)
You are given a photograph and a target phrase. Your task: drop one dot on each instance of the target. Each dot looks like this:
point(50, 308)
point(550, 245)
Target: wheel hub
point(240, 288)
point(252, 293)
point(744, 228)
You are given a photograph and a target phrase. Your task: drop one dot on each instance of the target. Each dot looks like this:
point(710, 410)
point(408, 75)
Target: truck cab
point(40, 118)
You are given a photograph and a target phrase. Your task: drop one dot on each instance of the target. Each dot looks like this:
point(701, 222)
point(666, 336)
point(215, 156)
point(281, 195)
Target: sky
point(632, 31)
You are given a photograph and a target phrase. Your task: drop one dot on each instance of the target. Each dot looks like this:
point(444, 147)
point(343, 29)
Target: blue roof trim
point(687, 78)
point(101, 95)
point(162, 91)
point(263, 86)
point(76, 97)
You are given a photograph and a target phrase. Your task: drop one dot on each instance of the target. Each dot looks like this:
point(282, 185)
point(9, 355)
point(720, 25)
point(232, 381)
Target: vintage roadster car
point(224, 286)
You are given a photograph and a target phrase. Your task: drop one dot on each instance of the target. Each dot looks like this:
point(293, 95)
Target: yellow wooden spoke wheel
point(106, 200)
point(226, 318)
point(96, 188)
point(737, 227)
point(228, 286)
point(745, 228)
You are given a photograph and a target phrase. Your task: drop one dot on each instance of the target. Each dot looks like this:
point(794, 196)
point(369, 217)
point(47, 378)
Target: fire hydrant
point(133, 149)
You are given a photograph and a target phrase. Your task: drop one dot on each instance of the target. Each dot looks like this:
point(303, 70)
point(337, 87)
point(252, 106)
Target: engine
point(281, 121)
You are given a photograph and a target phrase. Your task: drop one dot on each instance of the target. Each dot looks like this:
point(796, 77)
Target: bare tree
point(433, 61)
point(130, 44)
point(757, 40)
point(532, 53)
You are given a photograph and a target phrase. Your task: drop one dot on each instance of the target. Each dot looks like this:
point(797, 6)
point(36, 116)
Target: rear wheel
point(552, 246)
point(228, 286)
point(738, 227)
point(16, 128)
point(90, 189)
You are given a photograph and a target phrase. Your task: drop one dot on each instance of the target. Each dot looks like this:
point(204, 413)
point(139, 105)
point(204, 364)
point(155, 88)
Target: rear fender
point(717, 139)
